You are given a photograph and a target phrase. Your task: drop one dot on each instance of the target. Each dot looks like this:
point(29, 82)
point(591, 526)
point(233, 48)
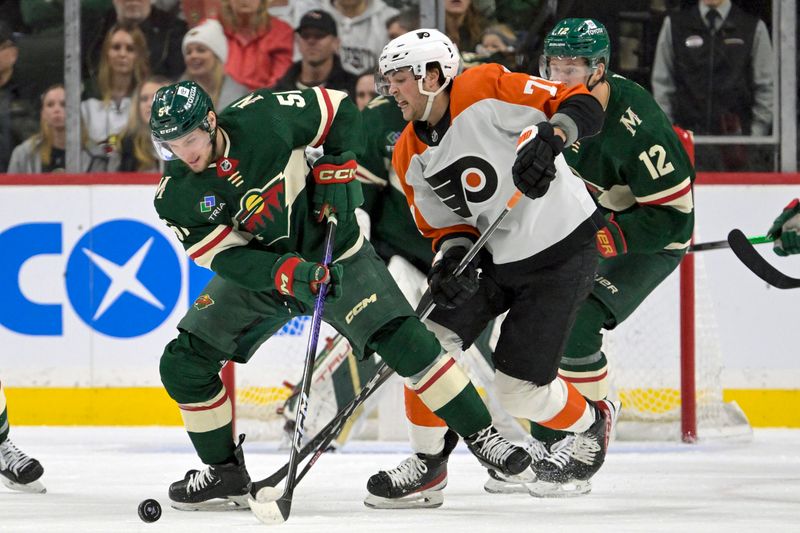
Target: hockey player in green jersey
point(240, 196)
point(393, 232)
point(786, 230)
point(641, 177)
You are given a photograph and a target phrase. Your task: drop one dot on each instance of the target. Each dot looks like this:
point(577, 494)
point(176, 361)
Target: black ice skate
point(18, 471)
point(217, 487)
point(499, 483)
point(417, 482)
point(496, 453)
point(572, 461)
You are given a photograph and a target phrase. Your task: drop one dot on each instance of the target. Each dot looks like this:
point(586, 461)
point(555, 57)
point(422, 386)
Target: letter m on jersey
point(469, 180)
point(630, 120)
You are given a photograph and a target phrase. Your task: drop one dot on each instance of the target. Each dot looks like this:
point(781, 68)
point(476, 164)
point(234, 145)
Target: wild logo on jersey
point(467, 180)
point(262, 212)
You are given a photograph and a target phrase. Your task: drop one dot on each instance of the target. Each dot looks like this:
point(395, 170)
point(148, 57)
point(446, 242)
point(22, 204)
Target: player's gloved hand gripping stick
point(262, 489)
point(337, 189)
point(265, 506)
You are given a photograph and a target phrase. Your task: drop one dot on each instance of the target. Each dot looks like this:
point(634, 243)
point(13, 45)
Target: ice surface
point(96, 478)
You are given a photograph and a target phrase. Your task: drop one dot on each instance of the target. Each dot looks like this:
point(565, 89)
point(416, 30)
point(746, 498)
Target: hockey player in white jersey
point(472, 141)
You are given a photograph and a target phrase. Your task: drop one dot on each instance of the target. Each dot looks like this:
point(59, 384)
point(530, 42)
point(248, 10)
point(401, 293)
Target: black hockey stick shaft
point(319, 444)
point(718, 245)
point(757, 264)
point(285, 500)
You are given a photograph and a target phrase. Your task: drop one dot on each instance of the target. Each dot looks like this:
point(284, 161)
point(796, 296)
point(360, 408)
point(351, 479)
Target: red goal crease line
point(143, 178)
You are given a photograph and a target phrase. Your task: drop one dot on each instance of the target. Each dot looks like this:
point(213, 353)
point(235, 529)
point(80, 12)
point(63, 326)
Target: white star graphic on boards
point(123, 278)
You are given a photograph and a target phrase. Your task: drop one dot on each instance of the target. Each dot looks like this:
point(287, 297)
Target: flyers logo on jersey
point(469, 180)
point(260, 208)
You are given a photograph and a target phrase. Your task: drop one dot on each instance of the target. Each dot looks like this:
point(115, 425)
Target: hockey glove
point(337, 188)
point(610, 240)
point(535, 167)
point(301, 279)
point(786, 230)
point(450, 291)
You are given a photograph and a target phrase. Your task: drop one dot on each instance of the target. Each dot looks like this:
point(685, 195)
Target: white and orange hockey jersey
point(459, 182)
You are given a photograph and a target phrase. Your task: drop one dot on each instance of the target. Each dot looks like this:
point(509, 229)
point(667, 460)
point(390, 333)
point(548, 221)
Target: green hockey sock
point(216, 446)
point(546, 435)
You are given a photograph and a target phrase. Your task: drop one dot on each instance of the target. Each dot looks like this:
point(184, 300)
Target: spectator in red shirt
point(259, 46)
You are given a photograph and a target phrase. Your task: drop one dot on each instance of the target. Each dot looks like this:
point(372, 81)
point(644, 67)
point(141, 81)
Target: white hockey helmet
point(416, 50)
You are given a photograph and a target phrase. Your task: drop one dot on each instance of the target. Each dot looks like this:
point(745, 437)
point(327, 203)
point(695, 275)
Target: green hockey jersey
point(393, 229)
point(637, 168)
point(254, 203)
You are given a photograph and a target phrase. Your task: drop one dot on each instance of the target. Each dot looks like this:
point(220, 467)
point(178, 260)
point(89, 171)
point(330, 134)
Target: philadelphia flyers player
point(472, 141)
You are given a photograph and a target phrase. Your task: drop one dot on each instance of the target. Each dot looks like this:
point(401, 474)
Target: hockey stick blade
point(271, 506)
point(719, 245)
point(757, 264)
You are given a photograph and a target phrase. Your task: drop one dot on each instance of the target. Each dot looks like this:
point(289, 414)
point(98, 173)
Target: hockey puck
point(149, 510)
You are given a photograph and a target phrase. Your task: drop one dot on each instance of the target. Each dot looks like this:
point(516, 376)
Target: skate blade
point(34, 487)
point(495, 486)
point(420, 500)
point(570, 489)
point(232, 503)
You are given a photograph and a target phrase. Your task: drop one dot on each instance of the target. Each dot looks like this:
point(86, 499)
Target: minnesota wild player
point(786, 230)
point(641, 177)
point(239, 195)
point(393, 232)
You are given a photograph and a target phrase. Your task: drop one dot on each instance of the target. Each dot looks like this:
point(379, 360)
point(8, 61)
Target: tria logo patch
point(203, 301)
point(226, 166)
point(208, 203)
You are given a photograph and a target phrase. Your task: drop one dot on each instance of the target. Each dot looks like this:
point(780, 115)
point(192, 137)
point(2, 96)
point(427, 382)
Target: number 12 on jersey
point(662, 167)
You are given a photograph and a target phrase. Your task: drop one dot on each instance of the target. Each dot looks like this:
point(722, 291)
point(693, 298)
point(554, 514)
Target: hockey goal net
point(665, 363)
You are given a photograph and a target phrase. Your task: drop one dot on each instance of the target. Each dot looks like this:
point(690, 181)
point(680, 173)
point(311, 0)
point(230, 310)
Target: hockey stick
point(319, 444)
point(718, 245)
point(276, 511)
point(757, 264)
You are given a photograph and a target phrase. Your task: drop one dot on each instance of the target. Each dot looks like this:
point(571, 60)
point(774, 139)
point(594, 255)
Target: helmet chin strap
point(431, 96)
point(213, 136)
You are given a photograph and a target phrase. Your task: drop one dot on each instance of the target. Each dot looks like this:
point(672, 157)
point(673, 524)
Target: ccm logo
point(342, 174)
point(360, 306)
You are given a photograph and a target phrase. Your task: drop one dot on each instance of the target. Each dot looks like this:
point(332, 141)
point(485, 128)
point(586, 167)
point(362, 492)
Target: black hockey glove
point(535, 167)
point(447, 290)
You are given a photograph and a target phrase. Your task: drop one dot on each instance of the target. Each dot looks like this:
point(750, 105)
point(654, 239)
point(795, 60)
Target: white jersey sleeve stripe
point(222, 238)
point(678, 196)
point(328, 103)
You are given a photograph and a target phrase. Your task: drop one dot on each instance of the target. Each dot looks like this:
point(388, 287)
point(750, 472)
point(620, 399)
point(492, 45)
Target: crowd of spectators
point(709, 63)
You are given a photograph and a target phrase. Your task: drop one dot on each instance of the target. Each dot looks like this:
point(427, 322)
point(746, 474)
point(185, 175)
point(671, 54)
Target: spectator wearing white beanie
point(205, 51)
